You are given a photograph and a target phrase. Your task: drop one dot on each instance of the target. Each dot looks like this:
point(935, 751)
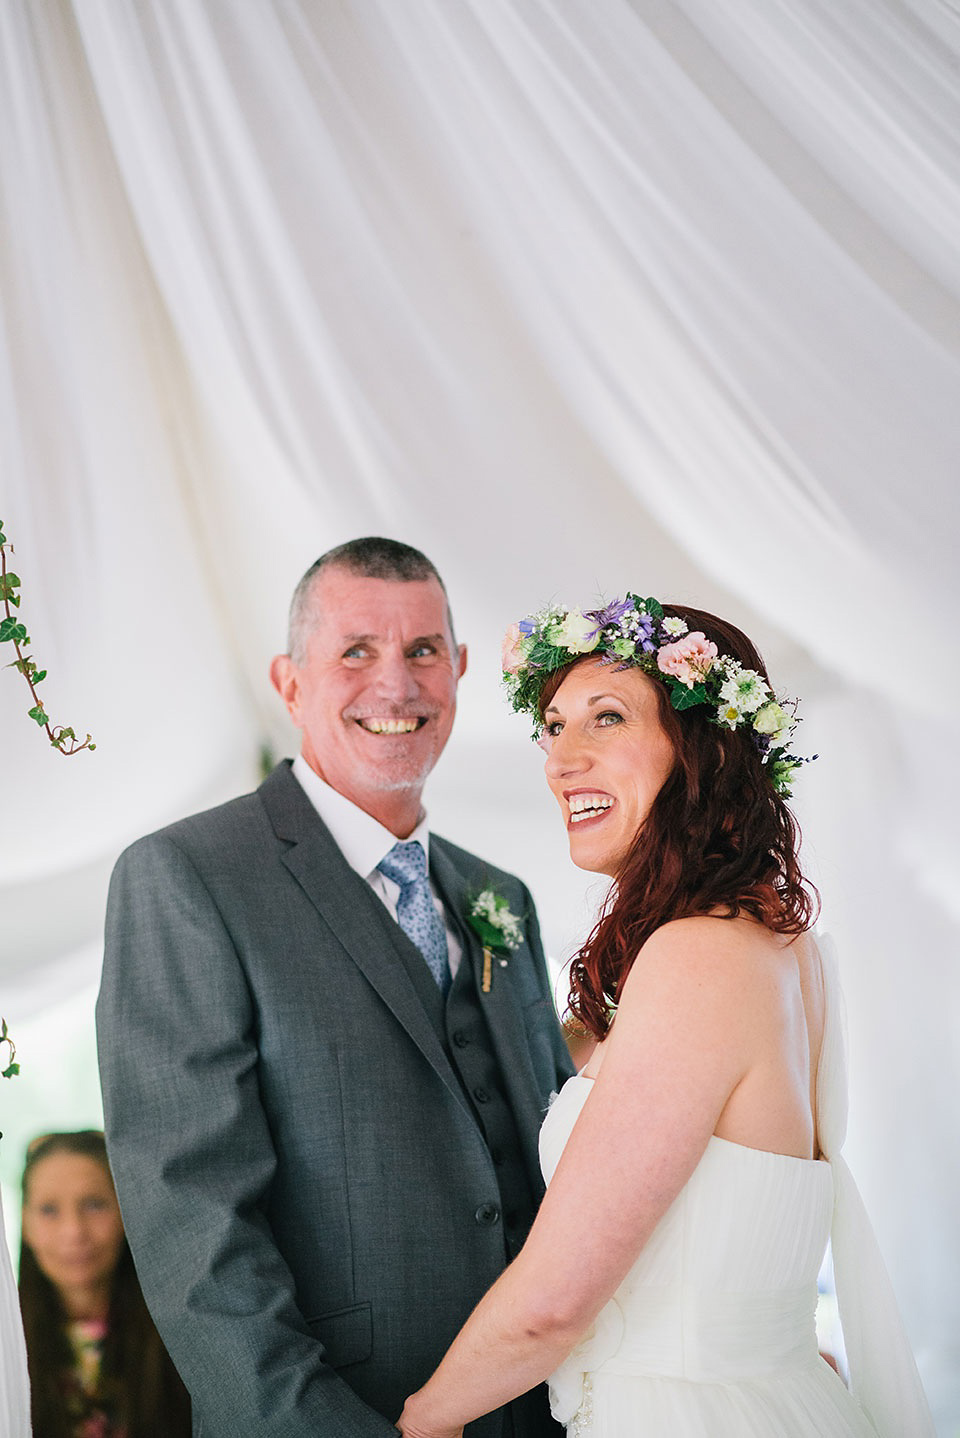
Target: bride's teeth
point(586, 806)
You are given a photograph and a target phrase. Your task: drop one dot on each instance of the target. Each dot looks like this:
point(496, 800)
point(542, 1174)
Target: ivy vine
point(12, 1068)
point(14, 631)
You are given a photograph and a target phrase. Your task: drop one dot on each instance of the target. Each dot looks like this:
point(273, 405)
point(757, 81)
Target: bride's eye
point(551, 730)
point(608, 717)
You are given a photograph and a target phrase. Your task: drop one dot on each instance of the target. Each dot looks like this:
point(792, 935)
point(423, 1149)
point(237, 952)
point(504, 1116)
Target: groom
point(322, 1094)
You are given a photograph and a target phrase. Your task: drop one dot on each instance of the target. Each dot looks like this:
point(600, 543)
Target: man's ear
point(285, 678)
point(461, 660)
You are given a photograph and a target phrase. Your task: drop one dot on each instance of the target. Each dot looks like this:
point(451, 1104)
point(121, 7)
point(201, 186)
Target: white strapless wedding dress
point(712, 1332)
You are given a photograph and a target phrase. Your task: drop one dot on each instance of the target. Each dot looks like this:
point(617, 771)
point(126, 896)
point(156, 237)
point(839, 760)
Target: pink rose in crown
point(689, 659)
point(516, 647)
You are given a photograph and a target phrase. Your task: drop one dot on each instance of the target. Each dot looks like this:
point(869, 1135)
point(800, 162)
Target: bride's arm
point(686, 1028)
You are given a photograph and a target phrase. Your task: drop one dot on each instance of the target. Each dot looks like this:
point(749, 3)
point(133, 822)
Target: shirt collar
point(361, 839)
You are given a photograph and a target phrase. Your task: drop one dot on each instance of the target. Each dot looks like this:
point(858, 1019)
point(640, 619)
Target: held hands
point(413, 1427)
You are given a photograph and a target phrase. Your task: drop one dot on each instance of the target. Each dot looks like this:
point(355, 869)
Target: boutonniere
point(498, 929)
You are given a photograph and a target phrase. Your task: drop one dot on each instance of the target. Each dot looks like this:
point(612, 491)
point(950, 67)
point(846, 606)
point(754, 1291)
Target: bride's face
point(608, 757)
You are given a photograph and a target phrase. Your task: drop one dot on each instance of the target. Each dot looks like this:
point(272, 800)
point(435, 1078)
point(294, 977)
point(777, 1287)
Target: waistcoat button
point(481, 1095)
point(487, 1214)
point(460, 1039)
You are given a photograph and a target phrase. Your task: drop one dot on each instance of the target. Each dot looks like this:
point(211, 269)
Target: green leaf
point(10, 629)
point(8, 583)
point(683, 698)
point(40, 674)
point(10, 1071)
point(654, 608)
point(37, 713)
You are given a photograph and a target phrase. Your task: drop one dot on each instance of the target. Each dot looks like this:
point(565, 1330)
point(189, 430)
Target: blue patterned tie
point(406, 865)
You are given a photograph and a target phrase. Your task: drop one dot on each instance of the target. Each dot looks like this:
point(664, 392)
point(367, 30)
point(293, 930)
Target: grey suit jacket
point(306, 1191)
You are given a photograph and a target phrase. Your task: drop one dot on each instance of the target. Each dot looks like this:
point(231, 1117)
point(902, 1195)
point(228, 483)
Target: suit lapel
point(503, 1015)
point(354, 915)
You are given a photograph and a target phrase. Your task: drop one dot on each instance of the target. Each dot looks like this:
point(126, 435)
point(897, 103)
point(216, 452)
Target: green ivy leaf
point(8, 583)
point(40, 674)
point(37, 713)
point(683, 698)
point(10, 1071)
point(10, 629)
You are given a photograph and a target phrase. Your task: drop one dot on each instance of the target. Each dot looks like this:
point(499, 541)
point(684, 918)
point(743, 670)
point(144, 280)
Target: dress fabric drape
point(14, 1387)
point(712, 1329)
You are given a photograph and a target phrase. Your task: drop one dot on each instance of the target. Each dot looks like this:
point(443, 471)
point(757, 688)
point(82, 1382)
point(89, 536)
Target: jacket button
point(487, 1215)
point(481, 1095)
point(460, 1039)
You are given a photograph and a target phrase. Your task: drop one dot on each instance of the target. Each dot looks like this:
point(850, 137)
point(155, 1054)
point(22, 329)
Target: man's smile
point(392, 726)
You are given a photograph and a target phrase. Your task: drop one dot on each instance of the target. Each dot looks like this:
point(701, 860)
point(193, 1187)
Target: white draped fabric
point(574, 296)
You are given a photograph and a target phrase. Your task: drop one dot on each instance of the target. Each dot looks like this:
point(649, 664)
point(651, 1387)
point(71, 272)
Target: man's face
point(376, 693)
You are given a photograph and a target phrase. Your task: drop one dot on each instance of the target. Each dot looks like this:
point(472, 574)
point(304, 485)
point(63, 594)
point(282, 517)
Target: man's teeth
point(390, 726)
point(585, 806)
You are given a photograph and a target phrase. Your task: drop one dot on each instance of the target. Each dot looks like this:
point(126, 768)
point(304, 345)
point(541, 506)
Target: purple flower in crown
point(610, 614)
point(527, 626)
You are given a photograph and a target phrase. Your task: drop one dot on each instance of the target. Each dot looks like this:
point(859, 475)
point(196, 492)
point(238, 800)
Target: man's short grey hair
point(370, 558)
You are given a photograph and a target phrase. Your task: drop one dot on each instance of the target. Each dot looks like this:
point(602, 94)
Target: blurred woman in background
point(97, 1366)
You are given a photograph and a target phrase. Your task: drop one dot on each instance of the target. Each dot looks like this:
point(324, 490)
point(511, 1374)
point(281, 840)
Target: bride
point(669, 1283)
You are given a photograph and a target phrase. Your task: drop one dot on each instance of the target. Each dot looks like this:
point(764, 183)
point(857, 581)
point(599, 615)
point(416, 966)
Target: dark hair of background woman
point(139, 1385)
point(718, 838)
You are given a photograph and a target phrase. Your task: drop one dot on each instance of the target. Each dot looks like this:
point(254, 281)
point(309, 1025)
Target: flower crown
point(636, 632)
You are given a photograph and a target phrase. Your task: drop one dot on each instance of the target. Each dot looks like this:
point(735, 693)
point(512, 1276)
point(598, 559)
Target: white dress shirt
point(364, 841)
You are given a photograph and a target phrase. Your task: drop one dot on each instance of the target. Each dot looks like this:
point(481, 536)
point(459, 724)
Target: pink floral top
point(89, 1419)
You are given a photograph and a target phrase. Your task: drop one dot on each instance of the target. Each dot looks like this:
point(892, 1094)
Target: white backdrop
point(573, 294)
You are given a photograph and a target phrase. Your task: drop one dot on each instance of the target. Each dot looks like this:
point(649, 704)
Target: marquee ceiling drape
point(573, 296)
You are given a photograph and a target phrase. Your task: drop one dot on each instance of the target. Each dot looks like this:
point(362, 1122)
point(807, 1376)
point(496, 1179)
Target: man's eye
point(356, 651)
point(422, 651)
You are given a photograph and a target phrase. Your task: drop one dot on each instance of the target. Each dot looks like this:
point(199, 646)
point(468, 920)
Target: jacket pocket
point(346, 1334)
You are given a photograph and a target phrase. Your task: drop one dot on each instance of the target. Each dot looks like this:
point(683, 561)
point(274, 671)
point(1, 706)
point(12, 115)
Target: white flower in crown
point(775, 722)
point(730, 715)
point(575, 632)
point(743, 690)
point(673, 626)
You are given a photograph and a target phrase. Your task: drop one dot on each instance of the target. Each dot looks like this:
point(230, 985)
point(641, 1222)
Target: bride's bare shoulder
point(710, 954)
point(709, 939)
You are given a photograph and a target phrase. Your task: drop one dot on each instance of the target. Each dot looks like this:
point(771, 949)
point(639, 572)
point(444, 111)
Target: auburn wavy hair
point(718, 840)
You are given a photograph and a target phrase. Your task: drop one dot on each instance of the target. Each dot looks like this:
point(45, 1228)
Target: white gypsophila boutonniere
point(499, 930)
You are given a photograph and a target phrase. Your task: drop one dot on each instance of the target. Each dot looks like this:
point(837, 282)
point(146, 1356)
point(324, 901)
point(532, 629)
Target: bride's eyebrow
point(594, 699)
